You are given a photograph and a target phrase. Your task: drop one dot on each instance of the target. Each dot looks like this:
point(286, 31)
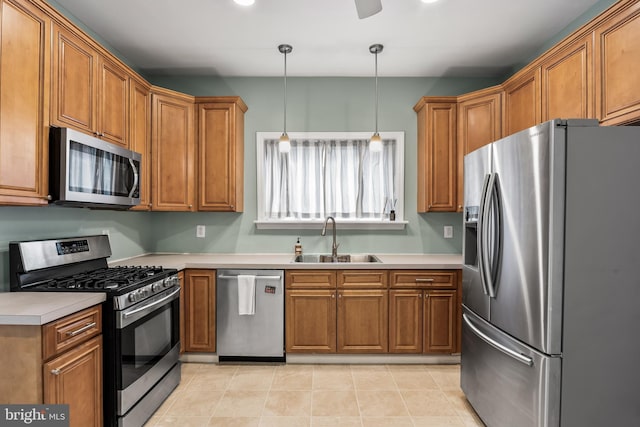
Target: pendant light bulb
point(375, 143)
point(284, 146)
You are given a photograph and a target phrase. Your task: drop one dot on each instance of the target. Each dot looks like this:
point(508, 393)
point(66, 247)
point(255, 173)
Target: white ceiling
point(482, 38)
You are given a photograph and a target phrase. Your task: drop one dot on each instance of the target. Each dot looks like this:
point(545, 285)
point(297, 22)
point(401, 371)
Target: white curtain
point(317, 178)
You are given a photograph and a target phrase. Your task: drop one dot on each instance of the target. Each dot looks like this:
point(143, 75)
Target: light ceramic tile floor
point(317, 396)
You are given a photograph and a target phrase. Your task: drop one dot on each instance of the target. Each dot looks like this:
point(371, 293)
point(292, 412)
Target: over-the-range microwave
point(88, 172)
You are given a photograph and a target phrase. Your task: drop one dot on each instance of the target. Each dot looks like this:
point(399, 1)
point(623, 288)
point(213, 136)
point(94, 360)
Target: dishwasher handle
point(224, 276)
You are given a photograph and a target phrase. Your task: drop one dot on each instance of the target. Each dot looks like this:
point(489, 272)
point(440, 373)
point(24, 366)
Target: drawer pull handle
point(81, 330)
point(421, 280)
point(55, 371)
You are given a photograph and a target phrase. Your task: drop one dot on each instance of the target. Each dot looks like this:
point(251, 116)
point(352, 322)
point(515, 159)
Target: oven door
point(148, 337)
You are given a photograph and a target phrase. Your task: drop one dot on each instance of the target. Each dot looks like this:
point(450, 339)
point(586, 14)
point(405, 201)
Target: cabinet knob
point(55, 371)
point(333, 295)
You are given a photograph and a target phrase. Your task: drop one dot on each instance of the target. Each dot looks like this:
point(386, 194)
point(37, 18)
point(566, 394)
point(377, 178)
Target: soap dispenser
point(298, 247)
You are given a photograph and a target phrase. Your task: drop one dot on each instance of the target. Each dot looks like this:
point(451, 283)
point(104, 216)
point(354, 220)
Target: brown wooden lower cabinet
point(200, 311)
point(405, 320)
point(440, 321)
point(310, 320)
point(363, 321)
point(422, 321)
point(59, 362)
point(76, 376)
point(419, 314)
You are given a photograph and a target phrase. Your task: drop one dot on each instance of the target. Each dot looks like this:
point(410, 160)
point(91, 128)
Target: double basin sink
point(314, 258)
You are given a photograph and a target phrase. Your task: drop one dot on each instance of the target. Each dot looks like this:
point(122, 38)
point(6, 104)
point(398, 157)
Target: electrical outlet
point(200, 231)
point(448, 231)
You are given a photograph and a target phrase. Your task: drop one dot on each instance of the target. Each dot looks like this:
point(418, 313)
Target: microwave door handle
point(136, 177)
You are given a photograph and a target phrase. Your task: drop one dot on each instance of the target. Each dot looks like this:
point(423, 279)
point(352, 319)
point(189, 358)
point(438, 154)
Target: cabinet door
point(405, 321)
point(140, 136)
point(24, 99)
point(617, 49)
point(221, 155)
point(437, 155)
point(75, 378)
point(74, 87)
point(440, 315)
point(173, 148)
point(567, 82)
point(113, 97)
point(183, 308)
point(522, 101)
point(310, 321)
point(363, 321)
point(200, 311)
point(479, 123)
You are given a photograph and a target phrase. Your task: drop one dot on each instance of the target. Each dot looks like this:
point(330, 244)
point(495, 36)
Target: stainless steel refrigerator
point(551, 277)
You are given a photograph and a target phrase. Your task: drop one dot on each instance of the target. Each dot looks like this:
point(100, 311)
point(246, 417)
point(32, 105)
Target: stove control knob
point(132, 297)
point(156, 286)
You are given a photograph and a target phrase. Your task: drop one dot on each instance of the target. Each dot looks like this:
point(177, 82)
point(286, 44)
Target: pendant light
point(284, 146)
point(375, 143)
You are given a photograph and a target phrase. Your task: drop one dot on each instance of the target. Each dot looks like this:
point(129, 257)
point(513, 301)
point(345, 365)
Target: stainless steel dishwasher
point(253, 337)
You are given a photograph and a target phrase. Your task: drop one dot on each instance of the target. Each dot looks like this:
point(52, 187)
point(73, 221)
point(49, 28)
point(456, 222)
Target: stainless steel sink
point(315, 258)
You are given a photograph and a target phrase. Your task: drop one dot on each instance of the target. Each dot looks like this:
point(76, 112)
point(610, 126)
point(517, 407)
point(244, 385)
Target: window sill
point(341, 224)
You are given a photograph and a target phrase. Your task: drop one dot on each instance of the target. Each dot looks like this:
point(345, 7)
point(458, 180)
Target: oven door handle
point(153, 304)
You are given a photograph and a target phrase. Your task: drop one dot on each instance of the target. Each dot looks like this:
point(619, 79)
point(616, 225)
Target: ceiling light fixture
point(244, 2)
point(429, 1)
point(284, 146)
point(375, 143)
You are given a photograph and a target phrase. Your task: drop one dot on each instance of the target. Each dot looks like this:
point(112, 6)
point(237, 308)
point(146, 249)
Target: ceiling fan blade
point(367, 8)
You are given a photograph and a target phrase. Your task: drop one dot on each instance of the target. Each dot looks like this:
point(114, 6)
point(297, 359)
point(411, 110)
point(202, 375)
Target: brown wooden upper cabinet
point(521, 101)
point(140, 135)
point(173, 148)
point(90, 92)
point(24, 74)
point(479, 123)
point(220, 153)
point(567, 81)
point(437, 160)
point(617, 50)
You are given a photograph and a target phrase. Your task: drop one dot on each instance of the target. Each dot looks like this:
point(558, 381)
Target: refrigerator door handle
point(481, 234)
point(491, 258)
point(511, 353)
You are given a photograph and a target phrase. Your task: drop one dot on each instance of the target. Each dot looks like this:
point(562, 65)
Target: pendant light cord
point(376, 91)
point(285, 92)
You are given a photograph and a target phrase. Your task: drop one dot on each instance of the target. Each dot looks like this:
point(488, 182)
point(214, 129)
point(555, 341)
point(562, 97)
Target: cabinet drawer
point(360, 279)
point(70, 331)
point(423, 279)
point(310, 279)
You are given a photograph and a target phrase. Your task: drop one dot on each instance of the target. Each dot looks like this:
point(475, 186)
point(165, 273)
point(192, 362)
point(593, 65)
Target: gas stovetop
point(114, 280)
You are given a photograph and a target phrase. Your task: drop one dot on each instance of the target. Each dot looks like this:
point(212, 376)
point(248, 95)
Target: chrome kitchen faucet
point(334, 247)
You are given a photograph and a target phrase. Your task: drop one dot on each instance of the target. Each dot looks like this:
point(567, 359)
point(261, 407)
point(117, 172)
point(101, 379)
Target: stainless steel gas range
point(140, 317)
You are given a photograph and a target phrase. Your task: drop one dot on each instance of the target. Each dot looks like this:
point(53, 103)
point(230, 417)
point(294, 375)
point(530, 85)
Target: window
point(330, 174)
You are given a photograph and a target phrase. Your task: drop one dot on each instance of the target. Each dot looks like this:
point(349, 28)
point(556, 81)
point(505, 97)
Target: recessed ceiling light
point(429, 1)
point(245, 2)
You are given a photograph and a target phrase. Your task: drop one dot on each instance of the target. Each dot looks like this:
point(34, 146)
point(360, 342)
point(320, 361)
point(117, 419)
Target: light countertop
point(285, 261)
point(38, 308)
